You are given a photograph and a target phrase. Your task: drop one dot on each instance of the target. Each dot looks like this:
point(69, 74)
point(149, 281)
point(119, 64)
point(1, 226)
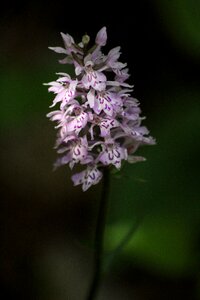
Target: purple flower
point(57, 115)
point(77, 122)
point(87, 178)
point(121, 75)
point(65, 88)
point(113, 154)
point(94, 79)
point(131, 109)
point(70, 47)
point(76, 151)
point(104, 100)
point(104, 124)
point(98, 121)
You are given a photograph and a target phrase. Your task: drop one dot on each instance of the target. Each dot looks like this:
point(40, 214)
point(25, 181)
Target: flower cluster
point(98, 122)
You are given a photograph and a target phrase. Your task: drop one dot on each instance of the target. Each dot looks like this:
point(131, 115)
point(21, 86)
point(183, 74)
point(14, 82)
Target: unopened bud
point(85, 39)
point(101, 37)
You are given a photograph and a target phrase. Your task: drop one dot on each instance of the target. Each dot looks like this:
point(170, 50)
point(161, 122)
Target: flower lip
point(88, 66)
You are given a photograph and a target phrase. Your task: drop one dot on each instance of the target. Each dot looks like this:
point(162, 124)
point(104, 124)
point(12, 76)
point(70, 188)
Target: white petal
point(58, 50)
point(63, 74)
point(91, 98)
point(68, 39)
point(78, 70)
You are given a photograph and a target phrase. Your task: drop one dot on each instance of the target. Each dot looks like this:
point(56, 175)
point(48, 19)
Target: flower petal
point(88, 177)
point(101, 37)
point(58, 50)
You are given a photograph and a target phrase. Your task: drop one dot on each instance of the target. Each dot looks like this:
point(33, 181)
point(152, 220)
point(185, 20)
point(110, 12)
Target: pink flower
point(57, 115)
point(105, 125)
point(131, 109)
point(69, 43)
point(113, 56)
point(77, 151)
point(104, 100)
point(75, 120)
point(76, 123)
point(113, 154)
point(87, 178)
point(98, 121)
point(94, 79)
point(138, 133)
point(65, 88)
point(121, 75)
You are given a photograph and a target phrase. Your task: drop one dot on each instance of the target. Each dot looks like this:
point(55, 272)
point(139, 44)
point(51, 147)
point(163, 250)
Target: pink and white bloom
point(98, 121)
point(92, 78)
point(104, 124)
point(103, 101)
point(57, 115)
point(121, 74)
point(87, 178)
point(113, 154)
point(64, 88)
point(76, 150)
point(131, 109)
point(74, 123)
point(70, 121)
point(70, 47)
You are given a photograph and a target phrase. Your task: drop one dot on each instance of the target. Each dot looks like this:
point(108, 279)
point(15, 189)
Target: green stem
point(99, 237)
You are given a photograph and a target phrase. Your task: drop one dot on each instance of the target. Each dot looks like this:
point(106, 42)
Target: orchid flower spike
point(98, 121)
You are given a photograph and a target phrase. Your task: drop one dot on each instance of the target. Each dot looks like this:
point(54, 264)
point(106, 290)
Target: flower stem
point(99, 237)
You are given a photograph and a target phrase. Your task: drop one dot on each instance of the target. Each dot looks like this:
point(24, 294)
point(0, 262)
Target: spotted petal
point(106, 125)
point(113, 155)
point(87, 178)
point(77, 123)
point(79, 151)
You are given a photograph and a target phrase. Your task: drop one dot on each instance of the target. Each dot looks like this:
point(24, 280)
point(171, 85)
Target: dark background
point(47, 224)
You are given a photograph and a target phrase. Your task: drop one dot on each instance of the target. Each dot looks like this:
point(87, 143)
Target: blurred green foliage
point(163, 192)
point(181, 18)
point(24, 94)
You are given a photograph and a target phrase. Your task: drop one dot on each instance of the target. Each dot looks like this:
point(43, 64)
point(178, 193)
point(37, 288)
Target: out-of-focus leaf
point(182, 20)
point(163, 243)
point(167, 184)
point(23, 94)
